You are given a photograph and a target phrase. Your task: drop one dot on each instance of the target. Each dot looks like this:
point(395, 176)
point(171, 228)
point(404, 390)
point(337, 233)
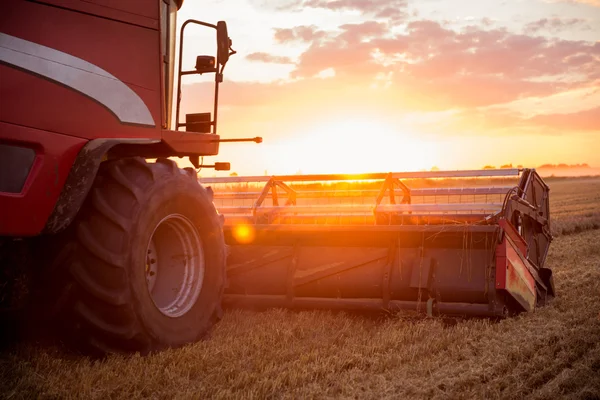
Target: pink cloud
point(594, 3)
point(268, 58)
point(447, 68)
point(588, 120)
point(556, 24)
point(353, 33)
point(394, 10)
point(299, 33)
point(362, 5)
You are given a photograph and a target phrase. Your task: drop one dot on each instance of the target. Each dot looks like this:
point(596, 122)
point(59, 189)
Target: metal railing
point(379, 198)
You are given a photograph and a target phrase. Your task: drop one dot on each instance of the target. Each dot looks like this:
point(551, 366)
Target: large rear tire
point(149, 264)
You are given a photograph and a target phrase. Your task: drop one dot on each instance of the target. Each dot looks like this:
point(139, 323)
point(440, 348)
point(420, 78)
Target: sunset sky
point(381, 85)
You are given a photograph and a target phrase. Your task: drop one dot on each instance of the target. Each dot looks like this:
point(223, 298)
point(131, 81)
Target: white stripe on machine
point(77, 74)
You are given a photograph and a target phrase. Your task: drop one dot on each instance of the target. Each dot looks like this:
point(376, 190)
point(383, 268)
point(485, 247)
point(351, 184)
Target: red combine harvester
point(86, 92)
point(134, 254)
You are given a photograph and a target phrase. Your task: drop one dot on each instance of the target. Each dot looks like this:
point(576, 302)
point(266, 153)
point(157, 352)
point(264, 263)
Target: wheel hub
point(174, 267)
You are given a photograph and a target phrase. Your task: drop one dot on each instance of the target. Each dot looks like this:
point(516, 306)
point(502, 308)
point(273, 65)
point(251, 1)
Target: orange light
point(243, 233)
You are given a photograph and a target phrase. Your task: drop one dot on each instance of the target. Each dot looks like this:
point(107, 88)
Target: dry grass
point(551, 353)
point(574, 205)
point(575, 224)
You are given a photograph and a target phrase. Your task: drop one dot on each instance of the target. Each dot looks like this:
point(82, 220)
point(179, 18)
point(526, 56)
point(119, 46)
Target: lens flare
point(243, 233)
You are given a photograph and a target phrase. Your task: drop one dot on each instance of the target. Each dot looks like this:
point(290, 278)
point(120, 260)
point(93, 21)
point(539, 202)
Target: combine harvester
point(373, 242)
point(126, 255)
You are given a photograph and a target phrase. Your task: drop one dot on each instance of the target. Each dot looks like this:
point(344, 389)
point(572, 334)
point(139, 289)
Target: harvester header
point(448, 242)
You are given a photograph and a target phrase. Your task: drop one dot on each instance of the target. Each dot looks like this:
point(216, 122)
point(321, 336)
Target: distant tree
point(563, 165)
point(519, 166)
point(506, 166)
point(233, 174)
point(489, 167)
point(434, 168)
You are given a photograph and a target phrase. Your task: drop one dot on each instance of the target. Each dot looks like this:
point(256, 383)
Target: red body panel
point(57, 120)
point(128, 52)
point(139, 7)
point(190, 142)
point(72, 71)
point(134, 12)
point(25, 213)
point(512, 274)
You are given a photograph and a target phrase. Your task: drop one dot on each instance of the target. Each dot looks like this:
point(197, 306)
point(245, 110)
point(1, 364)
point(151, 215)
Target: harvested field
point(551, 353)
point(574, 205)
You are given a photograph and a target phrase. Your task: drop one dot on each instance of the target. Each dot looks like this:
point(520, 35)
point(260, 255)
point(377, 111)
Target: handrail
point(370, 176)
point(373, 192)
point(361, 208)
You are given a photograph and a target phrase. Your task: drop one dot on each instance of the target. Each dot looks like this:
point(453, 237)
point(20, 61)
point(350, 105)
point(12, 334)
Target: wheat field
point(551, 353)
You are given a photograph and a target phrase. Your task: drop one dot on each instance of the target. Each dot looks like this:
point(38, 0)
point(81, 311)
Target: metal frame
point(218, 77)
point(369, 176)
point(371, 257)
point(391, 187)
point(364, 193)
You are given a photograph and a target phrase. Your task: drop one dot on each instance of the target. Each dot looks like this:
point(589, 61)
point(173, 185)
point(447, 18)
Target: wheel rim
point(174, 265)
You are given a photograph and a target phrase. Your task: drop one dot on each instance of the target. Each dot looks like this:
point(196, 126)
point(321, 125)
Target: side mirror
point(205, 64)
point(223, 43)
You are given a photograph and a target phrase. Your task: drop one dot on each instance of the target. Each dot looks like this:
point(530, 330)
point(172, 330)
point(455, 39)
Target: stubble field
point(551, 353)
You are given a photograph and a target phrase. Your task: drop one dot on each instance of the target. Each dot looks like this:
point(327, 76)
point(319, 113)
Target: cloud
point(586, 120)
point(276, 5)
point(301, 33)
point(362, 5)
point(506, 121)
point(395, 10)
point(392, 13)
point(268, 58)
point(353, 33)
point(555, 25)
point(347, 52)
point(444, 68)
point(595, 3)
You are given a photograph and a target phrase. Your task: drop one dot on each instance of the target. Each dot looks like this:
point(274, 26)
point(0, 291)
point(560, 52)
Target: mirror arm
point(218, 80)
point(179, 67)
point(218, 74)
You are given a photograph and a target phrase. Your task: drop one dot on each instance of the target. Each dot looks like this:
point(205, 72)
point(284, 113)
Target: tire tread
point(101, 309)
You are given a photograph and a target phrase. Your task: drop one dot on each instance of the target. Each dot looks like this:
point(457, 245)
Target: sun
point(356, 145)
